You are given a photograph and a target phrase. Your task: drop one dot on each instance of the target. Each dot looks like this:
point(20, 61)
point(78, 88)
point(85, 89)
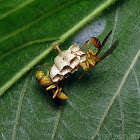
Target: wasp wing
point(104, 41)
point(110, 50)
point(106, 38)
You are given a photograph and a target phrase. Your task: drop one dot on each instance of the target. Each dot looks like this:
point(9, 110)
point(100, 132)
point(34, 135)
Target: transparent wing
point(109, 51)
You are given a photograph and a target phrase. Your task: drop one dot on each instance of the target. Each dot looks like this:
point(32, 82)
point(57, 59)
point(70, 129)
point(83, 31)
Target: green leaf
point(34, 34)
point(104, 104)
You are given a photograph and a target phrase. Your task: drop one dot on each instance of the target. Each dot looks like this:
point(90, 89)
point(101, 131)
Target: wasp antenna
point(81, 76)
point(110, 50)
point(42, 66)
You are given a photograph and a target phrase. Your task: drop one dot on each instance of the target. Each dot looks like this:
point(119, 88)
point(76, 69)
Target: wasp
point(92, 58)
point(46, 81)
point(90, 61)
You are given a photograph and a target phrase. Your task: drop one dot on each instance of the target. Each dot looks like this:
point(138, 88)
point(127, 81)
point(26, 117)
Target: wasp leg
point(93, 55)
point(56, 92)
point(50, 87)
point(92, 62)
point(81, 76)
point(87, 42)
point(96, 58)
point(85, 66)
point(48, 72)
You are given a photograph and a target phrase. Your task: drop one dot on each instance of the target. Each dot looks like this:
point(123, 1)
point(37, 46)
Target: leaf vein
point(25, 69)
point(116, 94)
point(57, 123)
point(137, 81)
point(122, 117)
point(115, 26)
point(28, 44)
point(16, 9)
point(19, 107)
point(33, 22)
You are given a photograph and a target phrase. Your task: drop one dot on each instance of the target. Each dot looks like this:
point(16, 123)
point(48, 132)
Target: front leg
point(93, 55)
point(86, 43)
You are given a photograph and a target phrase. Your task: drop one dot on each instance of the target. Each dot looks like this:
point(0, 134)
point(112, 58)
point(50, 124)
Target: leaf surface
point(103, 104)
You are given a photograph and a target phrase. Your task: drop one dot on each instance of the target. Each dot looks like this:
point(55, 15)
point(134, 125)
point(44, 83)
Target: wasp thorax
point(45, 81)
point(66, 62)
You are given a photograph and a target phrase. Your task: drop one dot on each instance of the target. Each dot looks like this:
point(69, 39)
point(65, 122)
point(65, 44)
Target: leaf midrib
point(28, 44)
point(81, 23)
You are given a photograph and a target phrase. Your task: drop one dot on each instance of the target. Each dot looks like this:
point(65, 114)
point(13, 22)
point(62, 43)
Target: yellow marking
point(55, 94)
point(50, 87)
